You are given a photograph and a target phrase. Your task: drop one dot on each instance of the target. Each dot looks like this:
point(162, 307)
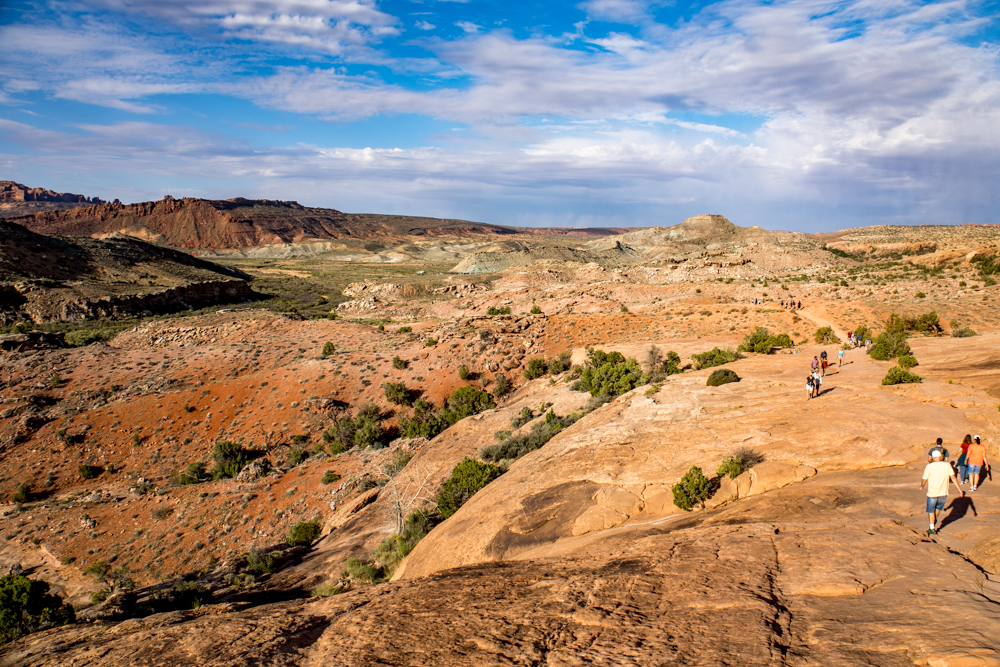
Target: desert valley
point(250, 432)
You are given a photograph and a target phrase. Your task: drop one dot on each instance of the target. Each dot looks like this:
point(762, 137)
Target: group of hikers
point(970, 468)
point(791, 305)
point(819, 364)
point(855, 341)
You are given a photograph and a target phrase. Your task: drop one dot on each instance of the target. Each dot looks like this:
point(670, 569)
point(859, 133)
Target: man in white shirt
point(937, 474)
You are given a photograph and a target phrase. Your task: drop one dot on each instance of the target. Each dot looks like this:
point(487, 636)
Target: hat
point(936, 454)
point(977, 439)
point(940, 441)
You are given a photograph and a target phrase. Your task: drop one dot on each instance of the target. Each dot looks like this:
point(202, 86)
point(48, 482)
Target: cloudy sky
point(800, 114)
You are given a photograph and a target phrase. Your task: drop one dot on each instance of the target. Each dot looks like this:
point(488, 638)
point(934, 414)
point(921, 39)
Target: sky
point(805, 115)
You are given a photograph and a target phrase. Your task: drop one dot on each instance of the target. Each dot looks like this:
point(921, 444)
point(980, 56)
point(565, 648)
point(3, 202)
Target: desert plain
point(249, 432)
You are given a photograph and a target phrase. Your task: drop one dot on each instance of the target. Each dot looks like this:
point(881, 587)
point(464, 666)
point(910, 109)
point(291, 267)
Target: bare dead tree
point(406, 493)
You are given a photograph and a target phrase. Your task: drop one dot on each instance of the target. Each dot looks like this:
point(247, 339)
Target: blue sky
point(805, 114)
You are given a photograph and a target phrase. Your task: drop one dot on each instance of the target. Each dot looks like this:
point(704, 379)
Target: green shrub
point(329, 349)
point(368, 429)
point(739, 462)
point(503, 386)
point(399, 363)
point(825, 336)
point(609, 373)
point(23, 493)
point(467, 401)
point(426, 422)
point(26, 605)
point(304, 532)
point(230, 458)
point(714, 357)
point(88, 471)
point(396, 392)
point(329, 477)
point(260, 561)
point(536, 310)
point(624, 308)
point(161, 513)
point(692, 489)
point(467, 478)
point(907, 361)
point(325, 591)
point(535, 368)
point(363, 571)
point(404, 330)
point(430, 342)
point(297, 455)
point(722, 376)
point(464, 372)
point(920, 295)
point(189, 595)
point(195, 473)
point(762, 342)
point(516, 446)
point(658, 366)
point(888, 345)
point(962, 332)
point(897, 375)
point(391, 552)
point(505, 310)
point(560, 363)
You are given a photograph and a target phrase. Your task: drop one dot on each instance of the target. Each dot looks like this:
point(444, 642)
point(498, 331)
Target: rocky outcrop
point(15, 192)
point(187, 297)
point(239, 223)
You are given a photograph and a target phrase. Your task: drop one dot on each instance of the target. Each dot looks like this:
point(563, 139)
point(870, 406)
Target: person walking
point(814, 363)
point(962, 463)
point(840, 357)
point(938, 446)
point(817, 382)
point(822, 361)
point(810, 387)
point(976, 459)
point(937, 475)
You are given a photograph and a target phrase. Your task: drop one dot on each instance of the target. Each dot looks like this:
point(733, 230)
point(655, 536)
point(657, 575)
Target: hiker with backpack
point(937, 475)
point(822, 361)
point(817, 382)
point(810, 387)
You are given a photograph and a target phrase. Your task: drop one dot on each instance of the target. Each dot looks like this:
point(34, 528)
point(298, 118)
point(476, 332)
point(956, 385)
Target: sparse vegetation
point(230, 458)
point(23, 493)
point(739, 462)
point(897, 375)
point(722, 376)
point(196, 473)
point(396, 392)
point(328, 349)
point(714, 357)
point(762, 342)
point(329, 477)
point(399, 363)
point(403, 330)
point(467, 478)
point(26, 605)
point(536, 310)
point(516, 446)
point(825, 336)
point(88, 471)
point(400, 458)
point(692, 489)
point(428, 422)
point(659, 367)
point(304, 532)
point(907, 361)
point(609, 373)
point(464, 372)
point(502, 386)
point(493, 310)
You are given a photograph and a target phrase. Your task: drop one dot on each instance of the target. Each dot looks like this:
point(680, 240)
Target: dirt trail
point(821, 320)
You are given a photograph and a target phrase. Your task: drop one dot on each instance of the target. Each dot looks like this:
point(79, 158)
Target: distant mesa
point(233, 224)
point(17, 200)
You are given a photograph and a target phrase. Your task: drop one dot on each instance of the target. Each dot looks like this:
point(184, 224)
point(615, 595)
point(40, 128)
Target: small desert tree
point(692, 489)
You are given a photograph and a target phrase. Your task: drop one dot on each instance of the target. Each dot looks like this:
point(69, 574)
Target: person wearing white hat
point(937, 475)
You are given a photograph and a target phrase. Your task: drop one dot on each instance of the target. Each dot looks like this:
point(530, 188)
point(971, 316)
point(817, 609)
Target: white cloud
point(617, 11)
point(424, 25)
point(469, 27)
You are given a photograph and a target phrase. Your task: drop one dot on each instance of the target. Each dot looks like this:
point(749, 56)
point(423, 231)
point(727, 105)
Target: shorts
point(936, 504)
point(974, 470)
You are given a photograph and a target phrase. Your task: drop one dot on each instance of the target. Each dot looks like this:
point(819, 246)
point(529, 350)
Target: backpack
point(809, 382)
